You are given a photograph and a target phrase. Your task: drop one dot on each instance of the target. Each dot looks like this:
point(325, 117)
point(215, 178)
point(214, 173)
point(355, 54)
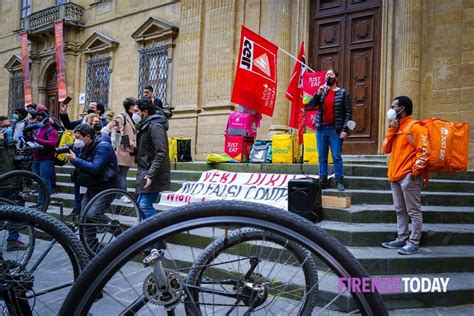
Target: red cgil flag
point(255, 83)
point(294, 94)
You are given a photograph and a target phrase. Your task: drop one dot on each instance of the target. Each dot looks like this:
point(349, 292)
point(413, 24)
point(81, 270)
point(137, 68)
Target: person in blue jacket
point(96, 169)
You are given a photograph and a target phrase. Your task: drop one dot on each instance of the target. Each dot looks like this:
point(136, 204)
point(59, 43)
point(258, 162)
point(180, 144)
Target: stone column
point(410, 51)
point(217, 74)
point(186, 71)
point(276, 26)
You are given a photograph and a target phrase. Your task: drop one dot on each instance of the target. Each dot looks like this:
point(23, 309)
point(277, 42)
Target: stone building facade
point(188, 49)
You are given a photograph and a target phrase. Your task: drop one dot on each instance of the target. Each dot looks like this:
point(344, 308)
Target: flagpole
point(295, 59)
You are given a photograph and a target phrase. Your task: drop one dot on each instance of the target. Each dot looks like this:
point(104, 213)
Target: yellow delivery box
point(285, 148)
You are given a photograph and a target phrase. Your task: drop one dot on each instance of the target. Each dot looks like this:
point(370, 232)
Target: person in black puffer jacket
point(331, 126)
point(153, 174)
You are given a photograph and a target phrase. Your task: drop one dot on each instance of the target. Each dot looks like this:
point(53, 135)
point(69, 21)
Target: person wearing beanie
point(43, 159)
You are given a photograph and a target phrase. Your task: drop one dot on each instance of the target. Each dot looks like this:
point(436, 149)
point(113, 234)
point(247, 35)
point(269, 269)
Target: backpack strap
point(407, 131)
point(48, 131)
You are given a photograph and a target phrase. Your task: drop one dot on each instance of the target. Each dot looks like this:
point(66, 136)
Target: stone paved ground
point(54, 269)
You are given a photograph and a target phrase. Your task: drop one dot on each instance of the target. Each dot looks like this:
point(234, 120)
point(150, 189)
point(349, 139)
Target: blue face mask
point(15, 117)
point(43, 122)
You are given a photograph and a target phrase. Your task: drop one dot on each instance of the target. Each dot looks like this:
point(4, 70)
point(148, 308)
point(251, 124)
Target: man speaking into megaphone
point(333, 123)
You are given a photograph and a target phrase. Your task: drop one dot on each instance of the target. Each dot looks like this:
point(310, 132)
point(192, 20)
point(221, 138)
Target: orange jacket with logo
point(409, 149)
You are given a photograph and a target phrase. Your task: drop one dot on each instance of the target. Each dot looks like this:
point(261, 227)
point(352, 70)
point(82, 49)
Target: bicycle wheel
point(105, 217)
point(40, 284)
point(13, 231)
point(25, 188)
point(129, 283)
point(218, 268)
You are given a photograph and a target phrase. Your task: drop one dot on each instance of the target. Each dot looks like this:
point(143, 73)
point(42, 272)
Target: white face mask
point(391, 115)
point(78, 143)
point(136, 118)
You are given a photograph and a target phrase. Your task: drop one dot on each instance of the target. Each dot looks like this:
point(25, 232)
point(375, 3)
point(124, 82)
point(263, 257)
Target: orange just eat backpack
point(449, 145)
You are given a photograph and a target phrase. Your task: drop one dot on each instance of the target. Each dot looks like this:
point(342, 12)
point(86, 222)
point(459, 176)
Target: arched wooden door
point(52, 91)
point(345, 35)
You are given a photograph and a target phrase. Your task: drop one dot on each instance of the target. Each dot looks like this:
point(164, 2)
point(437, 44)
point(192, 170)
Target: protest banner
point(266, 188)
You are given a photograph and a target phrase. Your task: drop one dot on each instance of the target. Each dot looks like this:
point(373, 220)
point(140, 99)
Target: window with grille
point(97, 80)
point(25, 8)
point(153, 70)
point(15, 93)
point(58, 2)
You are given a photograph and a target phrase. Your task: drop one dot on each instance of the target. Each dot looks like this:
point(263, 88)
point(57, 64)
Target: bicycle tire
point(31, 236)
point(245, 235)
point(4, 201)
point(83, 224)
point(89, 285)
point(28, 174)
point(46, 224)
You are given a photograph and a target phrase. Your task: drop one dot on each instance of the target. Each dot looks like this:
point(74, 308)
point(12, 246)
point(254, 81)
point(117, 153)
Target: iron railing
point(15, 92)
point(69, 12)
point(97, 80)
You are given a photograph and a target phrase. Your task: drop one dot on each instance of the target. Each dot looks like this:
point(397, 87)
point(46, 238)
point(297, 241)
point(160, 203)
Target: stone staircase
point(447, 245)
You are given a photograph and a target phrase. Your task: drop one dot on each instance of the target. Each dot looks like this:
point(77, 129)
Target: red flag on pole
point(294, 94)
point(60, 69)
point(255, 81)
point(25, 67)
point(311, 83)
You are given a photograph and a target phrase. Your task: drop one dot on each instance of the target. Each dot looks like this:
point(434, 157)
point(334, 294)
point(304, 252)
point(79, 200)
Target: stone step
point(363, 213)
point(460, 291)
point(382, 183)
point(355, 182)
point(450, 309)
point(360, 196)
point(430, 259)
point(373, 234)
point(68, 187)
point(350, 169)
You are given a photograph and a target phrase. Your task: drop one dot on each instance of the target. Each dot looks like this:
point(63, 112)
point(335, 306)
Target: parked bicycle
point(27, 284)
point(24, 188)
point(20, 187)
point(221, 258)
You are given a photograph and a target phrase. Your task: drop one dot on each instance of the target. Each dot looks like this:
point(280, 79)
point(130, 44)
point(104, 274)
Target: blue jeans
point(327, 137)
point(145, 203)
point(45, 169)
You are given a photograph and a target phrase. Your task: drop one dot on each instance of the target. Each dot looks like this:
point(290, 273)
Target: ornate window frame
point(156, 39)
point(16, 96)
point(98, 49)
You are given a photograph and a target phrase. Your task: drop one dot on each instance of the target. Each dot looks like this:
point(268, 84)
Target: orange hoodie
point(409, 147)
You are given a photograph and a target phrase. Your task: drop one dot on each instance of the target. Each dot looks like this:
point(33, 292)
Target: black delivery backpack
point(304, 198)
point(184, 149)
